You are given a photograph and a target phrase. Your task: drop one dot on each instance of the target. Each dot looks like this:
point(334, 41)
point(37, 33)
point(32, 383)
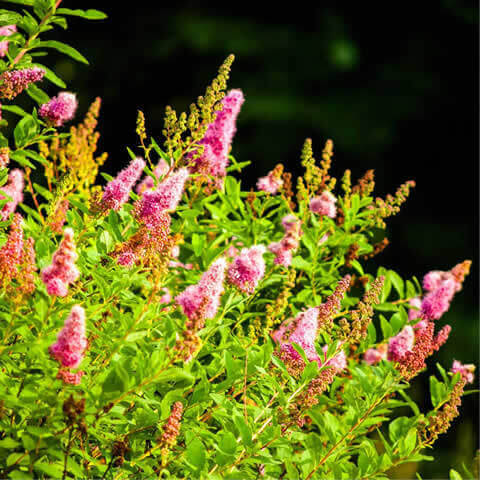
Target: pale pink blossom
point(270, 183)
point(338, 361)
point(59, 109)
point(14, 189)
point(291, 223)
point(166, 297)
point(6, 31)
point(62, 271)
point(218, 138)
point(437, 302)
point(247, 269)
point(304, 335)
point(401, 343)
point(117, 191)
point(414, 313)
point(206, 292)
point(283, 256)
point(164, 198)
point(71, 340)
point(375, 355)
point(466, 371)
point(148, 183)
point(324, 204)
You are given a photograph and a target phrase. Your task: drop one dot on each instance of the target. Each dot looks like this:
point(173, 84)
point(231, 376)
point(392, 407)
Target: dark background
point(394, 86)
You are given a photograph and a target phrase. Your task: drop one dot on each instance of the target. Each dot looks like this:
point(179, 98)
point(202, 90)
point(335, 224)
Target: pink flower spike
point(402, 343)
point(414, 313)
point(247, 269)
point(59, 109)
point(11, 252)
point(117, 191)
point(437, 302)
point(207, 291)
point(14, 189)
point(338, 361)
point(270, 183)
point(283, 256)
point(62, 270)
point(375, 355)
point(466, 371)
point(71, 341)
point(165, 198)
point(324, 205)
point(13, 82)
point(304, 335)
point(72, 378)
point(148, 183)
point(6, 31)
point(218, 138)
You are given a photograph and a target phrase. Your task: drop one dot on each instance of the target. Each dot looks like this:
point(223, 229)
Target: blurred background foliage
point(394, 85)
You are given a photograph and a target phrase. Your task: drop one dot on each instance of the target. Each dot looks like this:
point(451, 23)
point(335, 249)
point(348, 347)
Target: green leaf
point(243, 429)
point(9, 443)
point(90, 14)
point(25, 130)
point(454, 475)
point(37, 94)
point(195, 454)
point(63, 48)
point(8, 17)
point(117, 380)
point(50, 469)
point(438, 391)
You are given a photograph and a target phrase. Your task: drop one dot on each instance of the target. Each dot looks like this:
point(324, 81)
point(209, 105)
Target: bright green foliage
point(244, 414)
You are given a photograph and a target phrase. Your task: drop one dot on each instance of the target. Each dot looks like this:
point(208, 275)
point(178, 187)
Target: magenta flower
point(247, 269)
point(117, 191)
point(283, 249)
point(204, 298)
point(165, 198)
point(14, 189)
point(401, 343)
point(437, 302)
point(304, 335)
point(270, 183)
point(324, 205)
point(338, 361)
point(71, 341)
point(148, 183)
point(466, 371)
point(6, 31)
point(375, 355)
point(414, 313)
point(59, 109)
point(62, 271)
point(218, 137)
point(283, 255)
point(13, 82)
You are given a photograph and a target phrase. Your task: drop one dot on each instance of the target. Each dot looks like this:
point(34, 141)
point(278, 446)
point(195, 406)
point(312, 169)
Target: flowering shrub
point(171, 324)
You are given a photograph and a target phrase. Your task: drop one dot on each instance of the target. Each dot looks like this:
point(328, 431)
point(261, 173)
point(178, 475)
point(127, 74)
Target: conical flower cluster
point(203, 299)
point(218, 137)
point(59, 109)
point(324, 205)
point(117, 191)
point(247, 269)
point(14, 189)
point(164, 198)
point(62, 271)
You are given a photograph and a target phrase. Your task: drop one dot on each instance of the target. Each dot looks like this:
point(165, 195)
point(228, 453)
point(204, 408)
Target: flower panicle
point(14, 82)
point(171, 430)
point(62, 271)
